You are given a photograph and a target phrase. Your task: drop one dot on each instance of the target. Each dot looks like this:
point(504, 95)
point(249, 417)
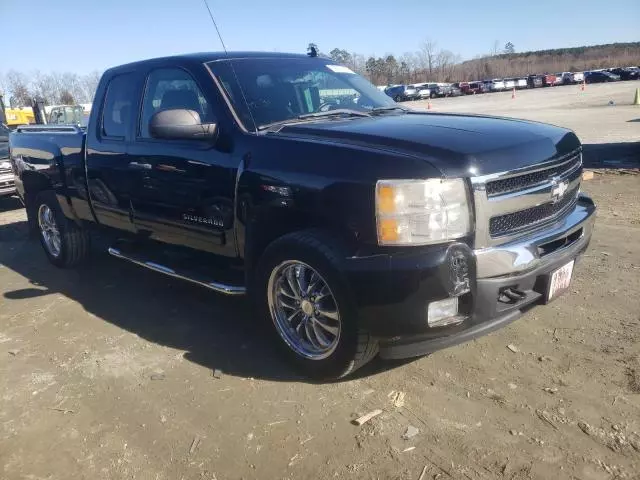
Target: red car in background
point(548, 80)
point(463, 87)
point(476, 87)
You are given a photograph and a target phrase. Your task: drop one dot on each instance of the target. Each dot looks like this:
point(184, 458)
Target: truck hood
point(457, 145)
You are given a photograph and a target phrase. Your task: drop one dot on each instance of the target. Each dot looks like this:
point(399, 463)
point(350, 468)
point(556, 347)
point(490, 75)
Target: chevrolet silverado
point(356, 226)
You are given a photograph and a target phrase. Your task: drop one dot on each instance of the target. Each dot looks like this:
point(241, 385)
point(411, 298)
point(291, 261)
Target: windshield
point(280, 89)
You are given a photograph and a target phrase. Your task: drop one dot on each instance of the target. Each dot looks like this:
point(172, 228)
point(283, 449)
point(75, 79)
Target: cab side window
point(118, 109)
point(171, 88)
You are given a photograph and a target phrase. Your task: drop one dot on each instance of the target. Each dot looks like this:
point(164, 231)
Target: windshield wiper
point(311, 116)
point(337, 111)
point(388, 109)
point(267, 126)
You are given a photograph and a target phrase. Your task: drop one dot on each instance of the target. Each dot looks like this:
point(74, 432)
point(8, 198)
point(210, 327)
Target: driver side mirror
point(181, 124)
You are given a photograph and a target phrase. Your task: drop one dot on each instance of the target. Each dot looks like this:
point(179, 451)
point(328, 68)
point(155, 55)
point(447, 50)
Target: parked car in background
point(7, 180)
point(509, 83)
point(454, 91)
point(548, 80)
point(600, 77)
point(477, 87)
point(626, 73)
point(462, 86)
point(439, 89)
point(566, 78)
point(496, 85)
point(401, 93)
point(423, 91)
point(558, 80)
point(535, 81)
point(521, 83)
point(578, 77)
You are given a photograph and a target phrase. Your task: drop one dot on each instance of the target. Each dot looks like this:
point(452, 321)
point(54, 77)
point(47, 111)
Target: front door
point(187, 193)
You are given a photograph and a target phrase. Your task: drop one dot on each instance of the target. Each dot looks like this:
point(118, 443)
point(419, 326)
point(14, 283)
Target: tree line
point(429, 63)
point(55, 88)
point(433, 64)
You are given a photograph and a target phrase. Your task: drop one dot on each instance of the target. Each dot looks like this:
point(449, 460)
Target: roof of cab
point(203, 57)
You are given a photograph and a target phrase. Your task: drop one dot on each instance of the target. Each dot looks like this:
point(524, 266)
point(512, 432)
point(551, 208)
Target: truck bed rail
point(49, 129)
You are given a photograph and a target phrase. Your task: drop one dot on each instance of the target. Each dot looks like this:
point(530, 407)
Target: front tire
point(398, 98)
point(304, 297)
point(65, 243)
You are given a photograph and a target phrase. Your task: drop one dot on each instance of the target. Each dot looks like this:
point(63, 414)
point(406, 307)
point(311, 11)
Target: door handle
point(140, 166)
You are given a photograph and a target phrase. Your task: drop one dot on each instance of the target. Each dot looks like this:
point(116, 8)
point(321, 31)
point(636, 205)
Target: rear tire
point(304, 256)
point(65, 243)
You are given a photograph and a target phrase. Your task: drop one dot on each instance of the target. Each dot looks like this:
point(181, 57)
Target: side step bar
point(215, 286)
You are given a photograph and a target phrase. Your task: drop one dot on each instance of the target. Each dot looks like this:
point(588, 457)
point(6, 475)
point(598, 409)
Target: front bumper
point(393, 293)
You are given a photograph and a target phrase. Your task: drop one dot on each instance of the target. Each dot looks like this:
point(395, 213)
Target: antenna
point(216, 27)
point(233, 70)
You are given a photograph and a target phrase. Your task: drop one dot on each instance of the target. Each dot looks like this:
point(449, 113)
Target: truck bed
point(56, 151)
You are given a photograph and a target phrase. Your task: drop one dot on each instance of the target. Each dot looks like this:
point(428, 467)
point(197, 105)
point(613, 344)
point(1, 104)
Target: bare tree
point(89, 84)
point(42, 85)
point(427, 55)
point(410, 64)
point(445, 60)
point(3, 83)
point(357, 63)
point(495, 49)
point(18, 87)
point(66, 98)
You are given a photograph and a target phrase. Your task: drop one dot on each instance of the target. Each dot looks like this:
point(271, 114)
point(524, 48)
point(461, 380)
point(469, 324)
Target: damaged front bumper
point(524, 267)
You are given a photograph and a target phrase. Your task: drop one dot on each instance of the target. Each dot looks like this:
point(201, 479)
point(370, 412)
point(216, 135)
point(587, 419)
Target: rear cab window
point(118, 110)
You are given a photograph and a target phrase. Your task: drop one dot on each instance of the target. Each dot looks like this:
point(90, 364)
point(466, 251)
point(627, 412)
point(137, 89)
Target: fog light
point(443, 312)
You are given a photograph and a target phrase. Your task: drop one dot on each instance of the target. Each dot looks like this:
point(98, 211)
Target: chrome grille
point(510, 204)
point(525, 219)
point(533, 179)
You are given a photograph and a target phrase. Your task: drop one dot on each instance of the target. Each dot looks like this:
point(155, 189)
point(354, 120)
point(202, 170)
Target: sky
point(82, 36)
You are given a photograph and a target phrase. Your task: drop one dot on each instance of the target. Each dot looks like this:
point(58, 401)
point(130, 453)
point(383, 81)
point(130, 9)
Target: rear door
point(111, 181)
point(186, 198)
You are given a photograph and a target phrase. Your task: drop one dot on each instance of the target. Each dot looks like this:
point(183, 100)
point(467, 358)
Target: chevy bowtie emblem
point(558, 189)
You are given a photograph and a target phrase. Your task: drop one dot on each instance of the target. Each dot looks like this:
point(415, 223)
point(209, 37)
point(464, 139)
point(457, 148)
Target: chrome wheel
point(49, 230)
point(304, 310)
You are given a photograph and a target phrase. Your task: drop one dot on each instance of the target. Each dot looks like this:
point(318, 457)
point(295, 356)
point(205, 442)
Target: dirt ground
point(107, 372)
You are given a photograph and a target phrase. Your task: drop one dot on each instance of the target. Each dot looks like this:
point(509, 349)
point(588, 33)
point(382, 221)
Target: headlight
point(5, 164)
point(420, 212)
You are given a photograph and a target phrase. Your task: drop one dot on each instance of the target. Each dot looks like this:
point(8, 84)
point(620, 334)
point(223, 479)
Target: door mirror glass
point(180, 124)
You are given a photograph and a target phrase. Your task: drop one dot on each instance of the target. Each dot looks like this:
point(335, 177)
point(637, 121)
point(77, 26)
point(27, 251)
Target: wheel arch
point(34, 183)
point(270, 226)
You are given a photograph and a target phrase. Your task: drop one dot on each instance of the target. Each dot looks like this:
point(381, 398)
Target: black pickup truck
point(355, 225)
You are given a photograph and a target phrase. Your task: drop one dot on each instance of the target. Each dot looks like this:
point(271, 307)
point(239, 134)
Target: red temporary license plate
point(560, 280)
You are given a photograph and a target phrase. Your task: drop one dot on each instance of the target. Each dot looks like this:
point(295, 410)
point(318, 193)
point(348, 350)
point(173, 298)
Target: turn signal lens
point(421, 212)
point(388, 230)
point(386, 199)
